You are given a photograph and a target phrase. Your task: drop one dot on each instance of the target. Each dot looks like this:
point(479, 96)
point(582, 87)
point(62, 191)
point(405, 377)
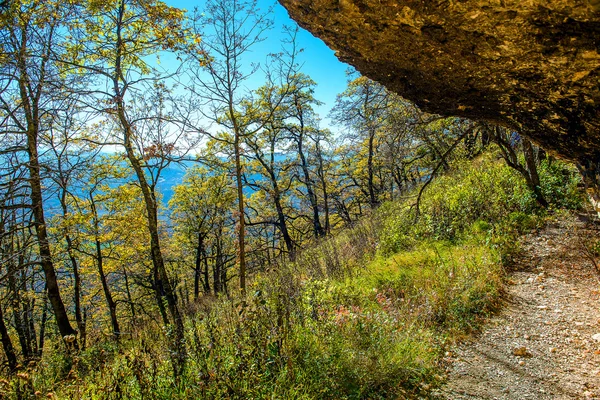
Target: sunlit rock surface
point(532, 65)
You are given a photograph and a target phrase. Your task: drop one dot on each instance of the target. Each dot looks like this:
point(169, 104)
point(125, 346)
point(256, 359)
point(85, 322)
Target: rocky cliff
point(531, 65)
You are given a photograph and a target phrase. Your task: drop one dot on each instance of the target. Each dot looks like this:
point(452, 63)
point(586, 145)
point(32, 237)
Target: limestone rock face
point(531, 65)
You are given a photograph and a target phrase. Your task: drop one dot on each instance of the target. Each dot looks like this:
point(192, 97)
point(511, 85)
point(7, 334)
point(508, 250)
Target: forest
point(168, 231)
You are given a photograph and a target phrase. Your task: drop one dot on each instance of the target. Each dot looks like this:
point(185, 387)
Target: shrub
point(476, 194)
point(559, 184)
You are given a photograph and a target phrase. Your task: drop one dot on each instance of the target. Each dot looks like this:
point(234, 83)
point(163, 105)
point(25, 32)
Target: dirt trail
point(545, 344)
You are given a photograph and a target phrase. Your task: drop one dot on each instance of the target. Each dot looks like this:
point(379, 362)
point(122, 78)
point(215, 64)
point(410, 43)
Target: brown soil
point(545, 344)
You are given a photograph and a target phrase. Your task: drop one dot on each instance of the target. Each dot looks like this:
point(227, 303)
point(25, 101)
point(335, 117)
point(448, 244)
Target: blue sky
point(318, 61)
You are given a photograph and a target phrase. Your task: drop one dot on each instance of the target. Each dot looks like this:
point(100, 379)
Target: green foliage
point(559, 183)
point(487, 192)
point(378, 334)
point(365, 312)
point(484, 195)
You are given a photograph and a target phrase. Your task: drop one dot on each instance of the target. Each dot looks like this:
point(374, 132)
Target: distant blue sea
point(169, 178)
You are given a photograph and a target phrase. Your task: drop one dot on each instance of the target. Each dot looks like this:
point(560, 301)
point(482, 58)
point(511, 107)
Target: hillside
point(373, 312)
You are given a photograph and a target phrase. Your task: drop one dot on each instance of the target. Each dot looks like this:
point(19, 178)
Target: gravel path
point(545, 344)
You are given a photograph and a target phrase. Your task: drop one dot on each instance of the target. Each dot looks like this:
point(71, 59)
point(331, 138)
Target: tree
point(13, 224)
point(269, 167)
point(230, 29)
point(361, 109)
point(121, 229)
point(201, 209)
point(301, 125)
point(30, 43)
point(119, 35)
point(508, 143)
point(90, 223)
point(68, 156)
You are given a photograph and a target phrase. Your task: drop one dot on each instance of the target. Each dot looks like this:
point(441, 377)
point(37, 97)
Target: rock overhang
point(531, 65)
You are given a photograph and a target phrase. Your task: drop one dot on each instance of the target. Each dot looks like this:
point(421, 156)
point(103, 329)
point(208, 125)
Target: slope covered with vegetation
point(366, 313)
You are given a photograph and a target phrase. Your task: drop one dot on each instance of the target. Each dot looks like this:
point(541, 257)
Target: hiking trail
point(545, 342)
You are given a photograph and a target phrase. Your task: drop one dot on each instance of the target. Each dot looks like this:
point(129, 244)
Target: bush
point(559, 184)
point(476, 194)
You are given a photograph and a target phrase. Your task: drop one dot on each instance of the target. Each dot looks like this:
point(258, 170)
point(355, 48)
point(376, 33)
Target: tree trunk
point(7, 345)
point(373, 201)
point(129, 297)
point(321, 174)
point(282, 225)
point(201, 273)
point(30, 94)
point(30, 307)
point(60, 313)
point(43, 326)
point(218, 264)
point(312, 197)
point(531, 163)
point(111, 304)
point(281, 219)
point(16, 301)
point(76, 292)
point(205, 270)
point(75, 267)
point(197, 269)
point(163, 287)
point(529, 171)
point(241, 217)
